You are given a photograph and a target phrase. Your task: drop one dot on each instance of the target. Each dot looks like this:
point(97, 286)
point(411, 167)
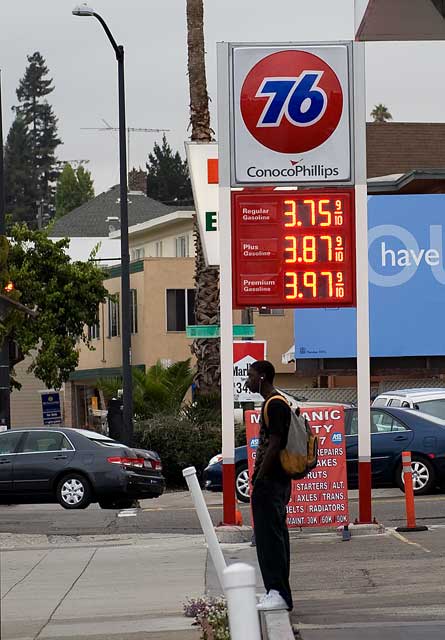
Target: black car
point(392, 431)
point(75, 467)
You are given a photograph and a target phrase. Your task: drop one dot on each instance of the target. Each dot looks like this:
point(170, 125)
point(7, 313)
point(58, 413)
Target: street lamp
point(84, 10)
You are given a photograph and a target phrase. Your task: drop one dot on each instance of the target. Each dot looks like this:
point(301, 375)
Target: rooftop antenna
point(130, 130)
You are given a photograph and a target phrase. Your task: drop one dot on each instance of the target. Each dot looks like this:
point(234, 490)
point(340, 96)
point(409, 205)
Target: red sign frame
point(293, 248)
point(320, 499)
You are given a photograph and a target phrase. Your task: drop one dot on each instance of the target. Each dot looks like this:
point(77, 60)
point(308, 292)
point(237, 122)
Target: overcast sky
point(408, 78)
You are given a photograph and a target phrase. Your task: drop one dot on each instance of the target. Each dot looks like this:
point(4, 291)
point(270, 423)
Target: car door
point(42, 456)
point(389, 437)
point(9, 443)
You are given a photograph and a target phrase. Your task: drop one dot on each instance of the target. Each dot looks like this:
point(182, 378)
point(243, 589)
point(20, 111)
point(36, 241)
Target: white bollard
point(240, 588)
point(206, 522)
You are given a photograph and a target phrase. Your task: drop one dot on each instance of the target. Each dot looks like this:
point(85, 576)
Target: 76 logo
point(300, 100)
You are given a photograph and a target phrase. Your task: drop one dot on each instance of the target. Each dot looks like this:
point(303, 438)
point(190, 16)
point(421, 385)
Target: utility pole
point(130, 130)
point(5, 412)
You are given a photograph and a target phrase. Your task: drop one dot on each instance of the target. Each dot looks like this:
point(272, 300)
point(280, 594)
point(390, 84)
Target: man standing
point(271, 490)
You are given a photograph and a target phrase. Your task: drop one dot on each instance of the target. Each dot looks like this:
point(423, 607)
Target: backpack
point(300, 454)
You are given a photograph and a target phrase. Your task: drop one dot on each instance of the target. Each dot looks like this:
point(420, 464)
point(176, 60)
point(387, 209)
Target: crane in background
point(130, 130)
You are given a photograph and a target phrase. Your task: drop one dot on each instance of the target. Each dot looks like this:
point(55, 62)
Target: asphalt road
point(174, 513)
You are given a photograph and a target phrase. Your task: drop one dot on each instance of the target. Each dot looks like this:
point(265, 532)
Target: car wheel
point(242, 485)
point(423, 476)
point(74, 491)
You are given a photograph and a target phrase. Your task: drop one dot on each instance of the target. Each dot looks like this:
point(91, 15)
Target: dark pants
point(269, 500)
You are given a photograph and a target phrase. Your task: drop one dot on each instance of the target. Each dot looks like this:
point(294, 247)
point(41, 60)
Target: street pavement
point(129, 583)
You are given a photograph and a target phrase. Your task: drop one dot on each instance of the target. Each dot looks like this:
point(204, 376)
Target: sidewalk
point(132, 590)
point(374, 587)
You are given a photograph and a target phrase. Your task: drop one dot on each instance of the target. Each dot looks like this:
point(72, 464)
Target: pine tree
point(20, 193)
point(74, 188)
point(168, 177)
point(39, 117)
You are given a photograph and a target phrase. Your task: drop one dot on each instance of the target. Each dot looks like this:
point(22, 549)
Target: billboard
point(406, 286)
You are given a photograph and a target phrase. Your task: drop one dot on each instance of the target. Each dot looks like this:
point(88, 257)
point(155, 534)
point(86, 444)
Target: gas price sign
point(294, 249)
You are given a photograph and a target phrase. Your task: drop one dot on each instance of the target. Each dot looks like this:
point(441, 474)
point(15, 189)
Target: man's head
point(260, 376)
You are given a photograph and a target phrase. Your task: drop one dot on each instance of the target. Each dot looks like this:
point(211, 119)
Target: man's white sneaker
point(272, 601)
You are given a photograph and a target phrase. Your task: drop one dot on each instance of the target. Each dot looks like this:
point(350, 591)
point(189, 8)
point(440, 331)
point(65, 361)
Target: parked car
point(431, 401)
point(75, 467)
point(393, 430)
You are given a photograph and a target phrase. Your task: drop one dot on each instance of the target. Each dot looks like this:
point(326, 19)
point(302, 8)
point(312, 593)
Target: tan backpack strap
point(276, 397)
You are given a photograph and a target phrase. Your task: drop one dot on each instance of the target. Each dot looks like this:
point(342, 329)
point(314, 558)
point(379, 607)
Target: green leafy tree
point(64, 294)
point(158, 390)
point(41, 122)
point(168, 177)
point(20, 195)
point(380, 113)
point(74, 188)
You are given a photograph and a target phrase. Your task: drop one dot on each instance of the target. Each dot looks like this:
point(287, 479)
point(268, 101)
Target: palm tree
point(158, 390)
point(380, 113)
point(207, 352)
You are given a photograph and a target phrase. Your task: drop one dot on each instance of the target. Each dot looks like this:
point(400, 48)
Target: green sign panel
point(212, 331)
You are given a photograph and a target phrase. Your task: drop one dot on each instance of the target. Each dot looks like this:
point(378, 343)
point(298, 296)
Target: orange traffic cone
point(238, 516)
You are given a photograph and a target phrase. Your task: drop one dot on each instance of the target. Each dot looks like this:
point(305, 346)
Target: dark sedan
point(75, 467)
point(392, 431)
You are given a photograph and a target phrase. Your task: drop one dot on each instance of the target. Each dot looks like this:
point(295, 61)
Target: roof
point(423, 181)
point(401, 20)
point(417, 394)
point(402, 147)
point(90, 220)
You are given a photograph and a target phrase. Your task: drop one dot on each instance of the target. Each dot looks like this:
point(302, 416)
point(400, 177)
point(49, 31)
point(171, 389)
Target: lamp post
point(5, 418)
point(84, 10)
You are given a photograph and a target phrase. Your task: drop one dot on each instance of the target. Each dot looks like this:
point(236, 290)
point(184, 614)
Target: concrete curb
point(364, 529)
point(228, 534)
point(276, 625)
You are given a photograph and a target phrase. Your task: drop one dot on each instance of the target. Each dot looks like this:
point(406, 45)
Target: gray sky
point(406, 77)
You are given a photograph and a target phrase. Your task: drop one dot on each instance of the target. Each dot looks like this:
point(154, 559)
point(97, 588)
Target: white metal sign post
point(225, 277)
point(361, 217)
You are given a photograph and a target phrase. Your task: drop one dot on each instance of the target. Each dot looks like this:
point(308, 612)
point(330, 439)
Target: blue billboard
point(406, 286)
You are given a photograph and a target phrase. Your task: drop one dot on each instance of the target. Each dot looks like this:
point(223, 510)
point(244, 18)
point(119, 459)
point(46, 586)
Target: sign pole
point(363, 370)
point(225, 304)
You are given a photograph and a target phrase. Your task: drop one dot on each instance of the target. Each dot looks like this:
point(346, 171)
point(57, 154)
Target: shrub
point(180, 442)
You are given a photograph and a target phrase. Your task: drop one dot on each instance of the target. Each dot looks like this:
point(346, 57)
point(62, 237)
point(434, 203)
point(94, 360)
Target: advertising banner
point(406, 242)
point(244, 354)
point(321, 498)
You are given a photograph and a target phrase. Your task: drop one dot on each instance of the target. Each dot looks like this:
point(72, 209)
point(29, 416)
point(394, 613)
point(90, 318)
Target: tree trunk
point(199, 98)
point(207, 352)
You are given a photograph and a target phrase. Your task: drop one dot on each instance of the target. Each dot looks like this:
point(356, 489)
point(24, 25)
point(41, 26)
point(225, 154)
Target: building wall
point(148, 240)
point(26, 405)
point(152, 341)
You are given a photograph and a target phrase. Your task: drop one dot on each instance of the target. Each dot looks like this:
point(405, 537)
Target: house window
point(267, 311)
point(134, 310)
point(113, 317)
point(94, 331)
point(182, 247)
point(158, 249)
point(180, 309)
point(139, 254)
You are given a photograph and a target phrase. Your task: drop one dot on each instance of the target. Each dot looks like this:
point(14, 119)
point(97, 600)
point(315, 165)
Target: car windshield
point(100, 439)
point(433, 407)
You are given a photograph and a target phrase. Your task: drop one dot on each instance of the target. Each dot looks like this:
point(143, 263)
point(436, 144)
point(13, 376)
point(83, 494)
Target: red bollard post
point(409, 496)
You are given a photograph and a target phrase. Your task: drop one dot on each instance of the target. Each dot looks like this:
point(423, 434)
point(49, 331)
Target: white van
point(429, 400)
